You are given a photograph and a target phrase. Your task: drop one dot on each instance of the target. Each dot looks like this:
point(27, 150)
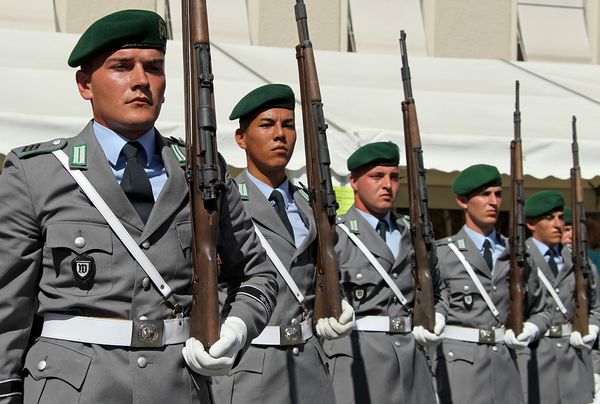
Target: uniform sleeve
point(250, 279)
point(594, 296)
point(20, 260)
point(439, 298)
point(537, 307)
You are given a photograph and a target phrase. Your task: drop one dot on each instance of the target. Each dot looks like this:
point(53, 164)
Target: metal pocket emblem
point(84, 271)
point(359, 294)
point(468, 301)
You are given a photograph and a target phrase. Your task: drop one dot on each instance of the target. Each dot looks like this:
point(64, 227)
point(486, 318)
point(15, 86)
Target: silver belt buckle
point(398, 325)
point(290, 335)
point(147, 333)
point(555, 331)
point(487, 336)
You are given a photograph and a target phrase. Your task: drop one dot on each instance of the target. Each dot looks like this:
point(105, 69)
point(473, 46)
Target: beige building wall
point(471, 28)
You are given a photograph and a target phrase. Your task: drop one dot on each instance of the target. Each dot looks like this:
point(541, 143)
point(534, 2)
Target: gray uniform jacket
point(378, 367)
point(42, 212)
point(281, 374)
point(469, 372)
point(552, 370)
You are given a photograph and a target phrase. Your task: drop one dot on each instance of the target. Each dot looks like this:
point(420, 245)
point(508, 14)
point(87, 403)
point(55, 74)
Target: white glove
point(428, 339)
point(220, 357)
point(330, 328)
point(587, 341)
point(529, 334)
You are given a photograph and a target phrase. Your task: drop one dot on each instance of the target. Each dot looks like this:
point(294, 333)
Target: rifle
point(581, 265)
point(321, 193)
point(421, 229)
point(517, 235)
point(204, 176)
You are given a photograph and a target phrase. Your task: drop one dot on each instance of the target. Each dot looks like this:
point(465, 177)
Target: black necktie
point(487, 253)
point(279, 206)
point(381, 229)
point(551, 262)
point(135, 182)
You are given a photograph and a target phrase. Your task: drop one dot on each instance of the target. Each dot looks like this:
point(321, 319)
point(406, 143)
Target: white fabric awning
point(465, 106)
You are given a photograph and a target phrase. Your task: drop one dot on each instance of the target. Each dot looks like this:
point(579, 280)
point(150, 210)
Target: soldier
point(474, 363)
point(380, 362)
point(107, 333)
point(558, 369)
point(286, 363)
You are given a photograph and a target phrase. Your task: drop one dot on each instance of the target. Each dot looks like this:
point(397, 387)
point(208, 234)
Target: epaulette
point(303, 191)
point(404, 220)
point(40, 148)
point(443, 241)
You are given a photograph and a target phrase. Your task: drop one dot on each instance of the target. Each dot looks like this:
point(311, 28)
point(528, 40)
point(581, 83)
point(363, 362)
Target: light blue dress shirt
point(479, 239)
point(112, 143)
point(560, 261)
point(392, 233)
point(300, 229)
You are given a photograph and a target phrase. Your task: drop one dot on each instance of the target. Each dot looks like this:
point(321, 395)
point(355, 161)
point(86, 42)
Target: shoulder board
point(443, 241)
point(404, 220)
point(177, 146)
point(304, 194)
point(243, 189)
point(40, 148)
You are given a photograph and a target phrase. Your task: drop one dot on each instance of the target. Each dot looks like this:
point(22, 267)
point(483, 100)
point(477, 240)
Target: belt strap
point(391, 324)
point(382, 272)
point(468, 334)
point(559, 330)
point(116, 225)
point(552, 292)
point(475, 279)
point(292, 335)
point(116, 332)
point(279, 265)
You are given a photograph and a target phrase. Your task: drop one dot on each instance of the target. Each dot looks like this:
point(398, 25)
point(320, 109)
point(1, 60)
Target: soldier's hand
point(528, 335)
point(220, 357)
point(428, 339)
point(330, 328)
point(587, 341)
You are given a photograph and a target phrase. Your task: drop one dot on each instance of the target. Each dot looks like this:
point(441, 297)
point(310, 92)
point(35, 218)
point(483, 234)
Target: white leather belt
point(281, 336)
point(394, 324)
point(559, 330)
point(117, 332)
point(482, 336)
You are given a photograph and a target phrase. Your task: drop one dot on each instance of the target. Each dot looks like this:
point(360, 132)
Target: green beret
point(378, 153)
point(475, 177)
point(543, 202)
point(568, 215)
point(263, 98)
point(123, 29)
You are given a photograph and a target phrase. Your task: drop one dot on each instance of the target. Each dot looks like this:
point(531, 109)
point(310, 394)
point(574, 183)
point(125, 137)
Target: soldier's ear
point(462, 201)
point(240, 138)
point(84, 86)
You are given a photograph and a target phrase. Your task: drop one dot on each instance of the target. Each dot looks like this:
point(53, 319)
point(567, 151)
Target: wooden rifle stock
point(421, 229)
point(516, 238)
point(202, 170)
point(321, 193)
point(580, 259)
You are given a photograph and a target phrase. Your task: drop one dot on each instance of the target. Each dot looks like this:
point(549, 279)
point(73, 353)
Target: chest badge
point(468, 301)
point(84, 271)
point(359, 294)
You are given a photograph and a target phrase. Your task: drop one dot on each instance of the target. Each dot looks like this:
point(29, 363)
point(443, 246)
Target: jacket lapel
point(472, 253)
point(305, 209)
point(368, 236)
point(567, 264)
point(100, 175)
point(539, 260)
point(174, 192)
point(405, 244)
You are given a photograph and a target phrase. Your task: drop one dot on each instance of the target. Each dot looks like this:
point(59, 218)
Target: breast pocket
point(361, 285)
point(81, 255)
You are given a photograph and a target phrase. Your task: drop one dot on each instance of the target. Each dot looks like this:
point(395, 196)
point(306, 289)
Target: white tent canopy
point(465, 106)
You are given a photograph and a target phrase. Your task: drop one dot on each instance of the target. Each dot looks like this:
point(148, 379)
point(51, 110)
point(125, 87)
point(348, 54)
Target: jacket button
point(146, 283)
point(466, 288)
point(79, 242)
point(395, 275)
point(294, 321)
point(41, 365)
point(142, 362)
point(558, 345)
point(146, 245)
point(295, 351)
point(143, 318)
point(359, 276)
point(451, 354)
point(397, 343)
point(494, 288)
point(557, 290)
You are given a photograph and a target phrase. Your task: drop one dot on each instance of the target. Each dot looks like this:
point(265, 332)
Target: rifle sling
point(117, 227)
point(386, 277)
point(475, 279)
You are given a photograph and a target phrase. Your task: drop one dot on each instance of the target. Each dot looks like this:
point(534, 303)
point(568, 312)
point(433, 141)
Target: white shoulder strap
point(552, 292)
point(382, 272)
point(115, 225)
point(475, 279)
point(279, 265)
